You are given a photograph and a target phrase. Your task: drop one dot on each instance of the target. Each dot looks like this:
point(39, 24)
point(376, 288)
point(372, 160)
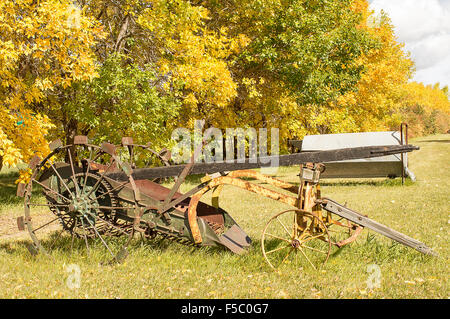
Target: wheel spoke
point(47, 205)
point(315, 249)
point(285, 257)
point(97, 184)
point(73, 234)
point(304, 227)
point(50, 190)
point(283, 226)
point(87, 170)
point(108, 222)
point(301, 250)
point(62, 181)
point(277, 237)
point(108, 192)
point(55, 239)
point(84, 234)
point(101, 238)
point(303, 231)
point(276, 249)
point(74, 178)
point(313, 237)
point(46, 224)
point(295, 225)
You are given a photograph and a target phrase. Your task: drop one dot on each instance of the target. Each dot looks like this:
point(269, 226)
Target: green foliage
point(302, 56)
point(123, 101)
point(311, 46)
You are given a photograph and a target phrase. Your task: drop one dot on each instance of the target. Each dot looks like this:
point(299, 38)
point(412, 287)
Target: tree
point(123, 101)
point(44, 46)
point(302, 56)
point(159, 67)
point(374, 104)
point(426, 109)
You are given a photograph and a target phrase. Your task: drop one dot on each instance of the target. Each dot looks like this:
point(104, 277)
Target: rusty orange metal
point(234, 180)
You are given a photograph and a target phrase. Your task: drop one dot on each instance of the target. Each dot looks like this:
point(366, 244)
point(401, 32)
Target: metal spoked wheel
point(71, 205)
point(295, 238)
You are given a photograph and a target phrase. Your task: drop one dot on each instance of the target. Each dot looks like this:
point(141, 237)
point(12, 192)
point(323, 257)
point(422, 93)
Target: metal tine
point(80, 140)
point(126, 141)
point(20, 190)
point(35, 160)
point(109, 148)
point(55, 145)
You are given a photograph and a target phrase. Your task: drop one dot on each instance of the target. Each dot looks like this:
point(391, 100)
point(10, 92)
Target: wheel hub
point(82, 205)
point(295, 243)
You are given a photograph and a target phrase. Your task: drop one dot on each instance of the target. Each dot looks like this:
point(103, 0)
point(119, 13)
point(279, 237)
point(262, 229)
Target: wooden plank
point(268, 161)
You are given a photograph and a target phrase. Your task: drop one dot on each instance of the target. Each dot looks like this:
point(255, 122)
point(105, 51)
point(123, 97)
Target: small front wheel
point(295, 237)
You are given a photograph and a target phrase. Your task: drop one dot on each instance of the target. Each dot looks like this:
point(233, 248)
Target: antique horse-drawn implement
point(99, 192)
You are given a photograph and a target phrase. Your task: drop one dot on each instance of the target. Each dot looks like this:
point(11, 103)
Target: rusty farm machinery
point(98, 192)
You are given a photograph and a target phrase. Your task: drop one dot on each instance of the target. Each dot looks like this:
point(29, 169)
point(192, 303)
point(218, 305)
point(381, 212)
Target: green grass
point(161, 269)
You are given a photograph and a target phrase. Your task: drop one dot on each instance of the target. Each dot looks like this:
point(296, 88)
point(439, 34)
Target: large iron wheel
point(82, 202)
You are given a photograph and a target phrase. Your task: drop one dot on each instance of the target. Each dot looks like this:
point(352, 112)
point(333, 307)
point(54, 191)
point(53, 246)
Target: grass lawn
point(162, 269)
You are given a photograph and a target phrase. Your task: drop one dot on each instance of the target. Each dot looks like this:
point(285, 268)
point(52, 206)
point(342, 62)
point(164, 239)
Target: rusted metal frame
point(350, 239)
point(192, 209)
point(255, 175)
point(183, 197)
point(265, 178)
point(167, 202)
point(310, 202)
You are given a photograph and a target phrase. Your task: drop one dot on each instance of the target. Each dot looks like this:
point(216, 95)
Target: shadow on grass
point(7, 247)
point(379, 183)
point(8, 188)
point(436, 141)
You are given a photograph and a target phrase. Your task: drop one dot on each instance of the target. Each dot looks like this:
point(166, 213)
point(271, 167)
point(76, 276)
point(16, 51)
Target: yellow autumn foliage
point(194, 57)
point(44, 45)
point(373, 105)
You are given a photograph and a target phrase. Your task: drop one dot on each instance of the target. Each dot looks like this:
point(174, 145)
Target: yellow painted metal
point(234, 179)
point(307, 195)
point(297, 241)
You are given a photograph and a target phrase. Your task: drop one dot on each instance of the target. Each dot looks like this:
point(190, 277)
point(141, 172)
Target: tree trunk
point(71, 132)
